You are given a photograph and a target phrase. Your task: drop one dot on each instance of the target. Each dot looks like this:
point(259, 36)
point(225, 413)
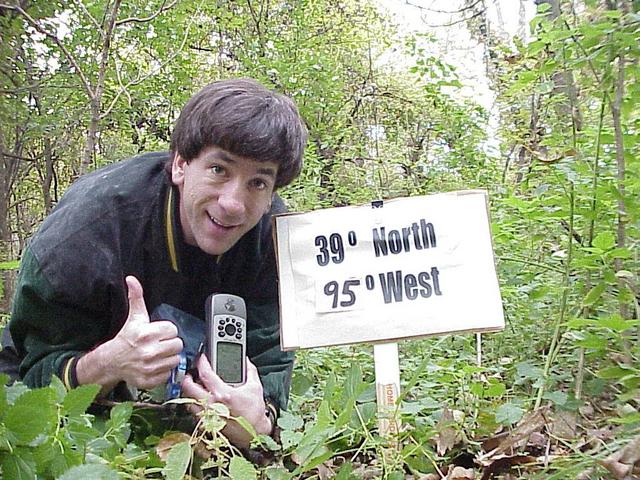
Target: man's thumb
point(137, 308)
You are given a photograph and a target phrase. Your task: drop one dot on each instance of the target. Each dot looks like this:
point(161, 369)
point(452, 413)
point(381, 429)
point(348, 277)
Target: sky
point(454, 44)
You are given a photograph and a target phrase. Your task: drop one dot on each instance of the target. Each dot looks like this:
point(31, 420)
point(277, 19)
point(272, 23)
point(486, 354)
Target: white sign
point(412, 267)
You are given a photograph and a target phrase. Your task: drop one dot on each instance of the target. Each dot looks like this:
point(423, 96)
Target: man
point(167, 229)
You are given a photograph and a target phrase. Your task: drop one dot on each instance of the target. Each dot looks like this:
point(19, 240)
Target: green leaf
point(604, 241)
point(495, 389)
point(411, 408)
point(118, 423)
point(612, 13)
point(58, 388)
point(535, 47)
point(242, 469)
point(543, 7)
point(92, 470)
point(345, 471)
point(313, 442)
point(79, 399)
point(10, 265)
point(290, 439)
point(266, 442)
point(14, 391)
point(580, 323)
point(559, 398)
point(244, 423)
point(596, 342)
point(368, 394)
point(528, 371)
point(79, 431)
point(120, 415)
point(616, 323)
point(300, 384)
point(345, 414)
point(367, 411)
point(18, 466)
point(594, 294)
point(3, 394)
point(396, 476)
point(615, 373)
point(288, 421)
point(46, 454)
point(33, 413)
point(177, 461)
point(330, 387)
point(619, 253)
point(324, 417)
point(277, 473)
point(353, 383)
point(508, 414)
point(631, 419)
point(314, 462)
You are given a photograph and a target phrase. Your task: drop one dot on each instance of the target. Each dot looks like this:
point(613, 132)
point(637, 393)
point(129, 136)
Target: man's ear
point(177, 170)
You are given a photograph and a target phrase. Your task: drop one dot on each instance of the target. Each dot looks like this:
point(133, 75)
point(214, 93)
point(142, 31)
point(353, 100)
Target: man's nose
point(232, 199)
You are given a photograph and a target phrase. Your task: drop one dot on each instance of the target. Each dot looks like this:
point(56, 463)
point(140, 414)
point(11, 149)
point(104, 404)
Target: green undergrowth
point(449, 406)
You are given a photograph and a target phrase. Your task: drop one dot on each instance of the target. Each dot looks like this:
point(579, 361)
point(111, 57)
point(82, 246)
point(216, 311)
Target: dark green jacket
point(123, 220)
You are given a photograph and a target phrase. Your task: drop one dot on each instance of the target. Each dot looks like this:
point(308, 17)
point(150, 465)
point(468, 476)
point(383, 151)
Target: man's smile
point(222, 224)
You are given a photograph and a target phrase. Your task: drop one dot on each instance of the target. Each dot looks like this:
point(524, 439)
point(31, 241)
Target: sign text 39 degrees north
point(394, 286)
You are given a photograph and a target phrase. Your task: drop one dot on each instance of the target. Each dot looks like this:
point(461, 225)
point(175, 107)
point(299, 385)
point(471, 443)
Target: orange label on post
point(386, 395)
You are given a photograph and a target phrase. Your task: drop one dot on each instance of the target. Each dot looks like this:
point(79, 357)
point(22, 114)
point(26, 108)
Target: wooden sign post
point(405, 268)
point(387, 371)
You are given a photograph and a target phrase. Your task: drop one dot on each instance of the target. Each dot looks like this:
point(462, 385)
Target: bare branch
point(453, 12)
point(462, 20)
point(201, 49)
point(163, 8)
point(56, 40)
point(257, 18)
point(124, 88)
point(18, 157)
point(95, 23)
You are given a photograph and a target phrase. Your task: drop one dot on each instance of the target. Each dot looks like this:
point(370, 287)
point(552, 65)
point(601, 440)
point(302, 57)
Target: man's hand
point(246, 400)
point(142, 353)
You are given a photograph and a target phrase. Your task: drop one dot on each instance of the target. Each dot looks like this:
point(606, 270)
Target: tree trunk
point(96, 95)
point(621, 174)
point(563, 81)
point(7, 166)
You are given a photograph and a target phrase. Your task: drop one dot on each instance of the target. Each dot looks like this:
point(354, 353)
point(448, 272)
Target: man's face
point(222, 197)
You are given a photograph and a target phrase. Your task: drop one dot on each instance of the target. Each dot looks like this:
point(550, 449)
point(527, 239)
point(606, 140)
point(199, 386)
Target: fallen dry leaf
point(324, 472)
point(446, 437)
point(429, 476)
point(531, 423)
point(461, 473)
point(168, 441)
point(494, 442)
point(563, 424)
point(622, 463)
point(503, 463)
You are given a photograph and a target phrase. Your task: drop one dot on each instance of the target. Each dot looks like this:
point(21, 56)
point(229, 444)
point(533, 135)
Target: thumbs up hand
point(142, 353)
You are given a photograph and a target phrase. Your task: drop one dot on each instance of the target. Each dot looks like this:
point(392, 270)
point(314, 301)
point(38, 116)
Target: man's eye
point(217, 170)
point(260, 184)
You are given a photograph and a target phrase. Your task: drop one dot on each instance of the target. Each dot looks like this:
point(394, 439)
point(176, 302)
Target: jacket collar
point(171, 225)
point(173, 232)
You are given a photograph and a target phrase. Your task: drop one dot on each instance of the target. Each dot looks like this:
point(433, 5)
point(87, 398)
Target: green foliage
point(46, 433)
point(177, 461)
point(565, 217)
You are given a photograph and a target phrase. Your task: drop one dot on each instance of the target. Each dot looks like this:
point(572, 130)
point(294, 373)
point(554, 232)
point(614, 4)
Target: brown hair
point(246, 119)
